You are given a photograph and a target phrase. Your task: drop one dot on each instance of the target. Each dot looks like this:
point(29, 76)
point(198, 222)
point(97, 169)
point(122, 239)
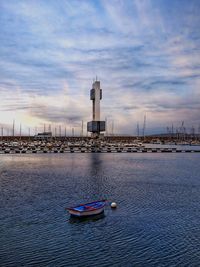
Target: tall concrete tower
point(96, 125)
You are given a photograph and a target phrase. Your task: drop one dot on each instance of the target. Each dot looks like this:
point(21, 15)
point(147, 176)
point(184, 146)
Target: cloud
point(146, 54)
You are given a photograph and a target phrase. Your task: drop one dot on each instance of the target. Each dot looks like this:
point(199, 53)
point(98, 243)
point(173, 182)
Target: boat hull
point(88, 209)
point(85, 213)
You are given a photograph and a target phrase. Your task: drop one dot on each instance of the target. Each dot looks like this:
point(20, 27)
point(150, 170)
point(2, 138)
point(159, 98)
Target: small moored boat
point(88, 209)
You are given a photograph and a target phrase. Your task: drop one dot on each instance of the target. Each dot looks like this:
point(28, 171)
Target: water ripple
point(156, 222)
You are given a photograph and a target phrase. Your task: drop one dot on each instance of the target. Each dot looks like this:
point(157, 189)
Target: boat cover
point(89, 206)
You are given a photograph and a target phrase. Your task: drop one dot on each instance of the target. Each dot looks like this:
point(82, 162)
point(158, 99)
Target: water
point(156, 222)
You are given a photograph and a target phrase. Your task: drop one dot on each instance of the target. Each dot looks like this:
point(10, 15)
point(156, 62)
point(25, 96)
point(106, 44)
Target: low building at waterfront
point(43, 136)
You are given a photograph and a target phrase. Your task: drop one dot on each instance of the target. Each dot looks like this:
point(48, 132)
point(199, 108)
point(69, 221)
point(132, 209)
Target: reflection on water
point(92, 218)
point(156, 222)
point(96, 177)
point(95, 161)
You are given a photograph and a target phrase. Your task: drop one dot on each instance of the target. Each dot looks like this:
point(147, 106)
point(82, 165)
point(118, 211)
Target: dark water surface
point(157, 222)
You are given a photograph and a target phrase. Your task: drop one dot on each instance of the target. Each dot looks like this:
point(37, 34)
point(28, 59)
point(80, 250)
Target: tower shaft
point(96, 126)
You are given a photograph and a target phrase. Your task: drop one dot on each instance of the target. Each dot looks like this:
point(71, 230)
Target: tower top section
point(96, 85)
point(96, 96)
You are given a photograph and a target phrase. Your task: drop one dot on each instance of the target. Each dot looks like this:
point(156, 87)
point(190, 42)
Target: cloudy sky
point(146, 54)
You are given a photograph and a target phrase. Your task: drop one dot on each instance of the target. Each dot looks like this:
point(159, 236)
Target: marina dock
point(77, 147)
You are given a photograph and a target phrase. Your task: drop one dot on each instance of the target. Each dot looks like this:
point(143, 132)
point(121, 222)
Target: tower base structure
point(95, 127)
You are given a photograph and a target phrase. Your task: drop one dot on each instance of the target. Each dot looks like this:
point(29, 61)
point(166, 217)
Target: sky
point(146, 53)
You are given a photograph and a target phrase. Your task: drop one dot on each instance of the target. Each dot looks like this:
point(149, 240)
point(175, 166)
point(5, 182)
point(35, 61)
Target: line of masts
point(179, 132)
point(56, 131)
point(182, 132)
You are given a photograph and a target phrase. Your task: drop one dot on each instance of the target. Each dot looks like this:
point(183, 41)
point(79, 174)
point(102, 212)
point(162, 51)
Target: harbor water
point(156, 222)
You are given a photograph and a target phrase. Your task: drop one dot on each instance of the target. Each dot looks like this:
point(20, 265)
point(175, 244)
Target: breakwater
point(65, 147)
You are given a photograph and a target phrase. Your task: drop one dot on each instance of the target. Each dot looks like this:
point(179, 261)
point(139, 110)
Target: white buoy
point(113, 205)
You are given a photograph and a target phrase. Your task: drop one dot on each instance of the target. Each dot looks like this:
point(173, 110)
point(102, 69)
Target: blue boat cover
point(93, 205)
